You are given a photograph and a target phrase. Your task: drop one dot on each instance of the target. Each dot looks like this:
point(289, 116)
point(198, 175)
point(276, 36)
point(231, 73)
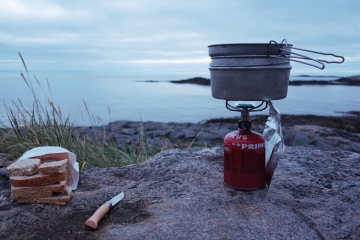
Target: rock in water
point(314, 194)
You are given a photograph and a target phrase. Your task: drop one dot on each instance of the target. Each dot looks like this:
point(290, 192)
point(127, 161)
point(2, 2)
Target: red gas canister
point(244, 158)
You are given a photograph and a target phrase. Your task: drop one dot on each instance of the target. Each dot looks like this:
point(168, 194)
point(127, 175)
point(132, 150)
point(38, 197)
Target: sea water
point(91, 98)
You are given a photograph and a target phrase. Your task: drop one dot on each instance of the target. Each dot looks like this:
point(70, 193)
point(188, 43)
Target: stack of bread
point(40, 180)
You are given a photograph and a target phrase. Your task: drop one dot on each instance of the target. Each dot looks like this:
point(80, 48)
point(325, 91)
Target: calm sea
point(117, 96)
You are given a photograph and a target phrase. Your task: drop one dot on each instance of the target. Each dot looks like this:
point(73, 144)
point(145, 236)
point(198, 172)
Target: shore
point(322, 132)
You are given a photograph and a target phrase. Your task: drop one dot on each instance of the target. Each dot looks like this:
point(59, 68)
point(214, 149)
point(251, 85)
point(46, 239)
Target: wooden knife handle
point(97, 216)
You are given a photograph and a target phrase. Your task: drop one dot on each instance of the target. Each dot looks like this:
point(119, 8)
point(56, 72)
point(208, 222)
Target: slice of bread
point(25, 167)
point(37, 192)
point(53, 167)
point(58, 199)
point(52, 157)
point(38, 179)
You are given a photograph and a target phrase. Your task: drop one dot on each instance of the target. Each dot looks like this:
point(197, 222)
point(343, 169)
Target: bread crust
point(38, 191)
point(38, 179)
point(49, 184)
point(51, 157)
point(57, 200)
point(53, 167)
point(24, 167)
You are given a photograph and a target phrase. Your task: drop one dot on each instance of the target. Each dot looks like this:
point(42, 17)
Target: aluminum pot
point(249, 83)
point(249, 72)
point(248, 61)
point(256, 71)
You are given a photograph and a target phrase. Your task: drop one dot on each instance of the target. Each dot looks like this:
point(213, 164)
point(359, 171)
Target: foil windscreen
point(274, 142)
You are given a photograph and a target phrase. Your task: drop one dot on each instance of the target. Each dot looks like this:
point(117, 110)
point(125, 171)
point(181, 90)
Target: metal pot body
point(249, 61)
point(249, 83)
point(249, 72)
point(244, 160)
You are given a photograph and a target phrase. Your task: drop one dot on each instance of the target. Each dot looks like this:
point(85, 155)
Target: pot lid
point(233, 49)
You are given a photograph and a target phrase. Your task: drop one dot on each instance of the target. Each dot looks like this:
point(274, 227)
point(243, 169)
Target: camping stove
point(254, 72)
point(244, 152)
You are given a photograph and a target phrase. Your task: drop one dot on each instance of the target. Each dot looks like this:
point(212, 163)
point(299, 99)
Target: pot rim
point(240, 56)
point(244, 44)
point(250, 68)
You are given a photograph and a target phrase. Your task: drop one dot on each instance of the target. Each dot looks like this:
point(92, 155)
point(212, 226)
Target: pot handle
point(299, 56)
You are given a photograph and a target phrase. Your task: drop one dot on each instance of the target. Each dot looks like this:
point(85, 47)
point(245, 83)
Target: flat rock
point(323, 138)
point(301, 139)
point(177, 194)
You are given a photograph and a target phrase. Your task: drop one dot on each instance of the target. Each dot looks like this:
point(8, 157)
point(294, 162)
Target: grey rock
point(288, 136)
point(189, 134)
point(301, 139)
point(129, 131)
point(321, 138)
point(4, 162)
point(177, 194)
point(115, 126)
point(222, 132)
point(175, 135)
point(323, 145)
point(165, 132)
point(207, 137)
point(153, 133)
point(355, 146)
point(182, 135)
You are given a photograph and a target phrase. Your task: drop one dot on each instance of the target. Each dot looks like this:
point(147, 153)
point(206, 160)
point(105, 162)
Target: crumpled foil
point(274, 142)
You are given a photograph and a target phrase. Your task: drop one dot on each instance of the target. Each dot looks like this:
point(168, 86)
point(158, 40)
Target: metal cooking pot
point(255, 71)
point(247, 61)
point(246, 49)
point(249, 83)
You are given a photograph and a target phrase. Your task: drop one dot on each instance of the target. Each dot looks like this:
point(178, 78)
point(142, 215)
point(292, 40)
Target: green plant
point(43, 124)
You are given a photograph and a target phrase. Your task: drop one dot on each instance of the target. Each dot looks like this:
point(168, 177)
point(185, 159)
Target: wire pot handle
point(303, 57)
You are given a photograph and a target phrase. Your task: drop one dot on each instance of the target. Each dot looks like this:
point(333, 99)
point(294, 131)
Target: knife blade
point(93, 221)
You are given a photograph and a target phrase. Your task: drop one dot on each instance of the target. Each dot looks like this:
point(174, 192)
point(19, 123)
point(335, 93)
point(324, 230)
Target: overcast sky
point(170, 35)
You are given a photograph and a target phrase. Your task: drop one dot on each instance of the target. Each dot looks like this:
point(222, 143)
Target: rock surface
point(325, 133)
point(322, 138)
point(177, 194)
point(4, 162)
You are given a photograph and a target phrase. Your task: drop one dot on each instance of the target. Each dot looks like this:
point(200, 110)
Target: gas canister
point(244, 158)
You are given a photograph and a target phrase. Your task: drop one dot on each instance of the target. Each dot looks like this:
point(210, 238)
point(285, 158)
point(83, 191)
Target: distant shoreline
point(347, 81)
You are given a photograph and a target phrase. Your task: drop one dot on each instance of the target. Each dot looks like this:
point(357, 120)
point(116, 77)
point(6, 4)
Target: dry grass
point(43, 124)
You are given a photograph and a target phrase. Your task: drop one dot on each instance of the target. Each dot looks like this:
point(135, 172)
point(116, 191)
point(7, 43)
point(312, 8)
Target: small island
point(195, 80)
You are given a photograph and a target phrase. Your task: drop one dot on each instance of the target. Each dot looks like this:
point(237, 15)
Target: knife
point(102, 211)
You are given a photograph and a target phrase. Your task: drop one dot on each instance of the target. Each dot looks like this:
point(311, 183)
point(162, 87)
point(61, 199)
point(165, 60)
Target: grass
point(43, 124)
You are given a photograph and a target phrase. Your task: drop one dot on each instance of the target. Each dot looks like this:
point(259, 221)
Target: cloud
point(355, 58)
point(168, 32)
point(56, 38)
point(36, 10)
